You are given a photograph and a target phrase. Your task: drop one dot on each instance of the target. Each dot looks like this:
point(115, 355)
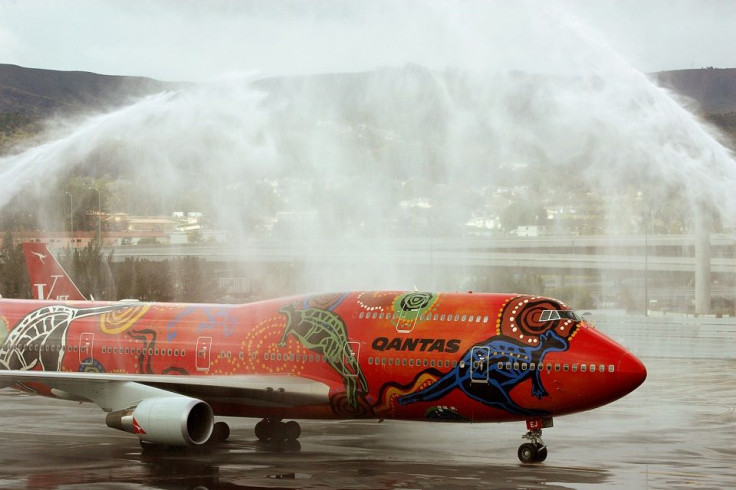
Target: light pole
point(71, 214)
point(99, 214)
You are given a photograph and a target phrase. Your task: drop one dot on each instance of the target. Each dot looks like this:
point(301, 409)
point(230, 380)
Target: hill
point(28, 96)
point(712, 89)
point(43, 92)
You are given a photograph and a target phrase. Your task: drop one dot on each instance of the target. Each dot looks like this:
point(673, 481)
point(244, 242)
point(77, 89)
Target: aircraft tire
point(278, 431)
point(527, 453)
point(541, 454)
point(263, 430)
point(220, 432)
point(292, 430)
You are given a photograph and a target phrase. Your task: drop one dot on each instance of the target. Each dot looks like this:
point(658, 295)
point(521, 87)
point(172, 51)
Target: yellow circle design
point(114, 322)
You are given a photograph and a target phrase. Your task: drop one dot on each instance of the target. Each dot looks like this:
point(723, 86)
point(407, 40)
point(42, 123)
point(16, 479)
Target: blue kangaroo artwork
point(490, 370)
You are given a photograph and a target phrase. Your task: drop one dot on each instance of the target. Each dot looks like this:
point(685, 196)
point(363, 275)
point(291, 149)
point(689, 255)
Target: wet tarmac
point(678, 430)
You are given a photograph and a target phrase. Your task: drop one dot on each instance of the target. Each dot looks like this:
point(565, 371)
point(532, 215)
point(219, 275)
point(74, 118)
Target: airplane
point(163, 371)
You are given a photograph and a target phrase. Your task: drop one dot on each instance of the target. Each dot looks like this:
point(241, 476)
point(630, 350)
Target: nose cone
point(631, 373)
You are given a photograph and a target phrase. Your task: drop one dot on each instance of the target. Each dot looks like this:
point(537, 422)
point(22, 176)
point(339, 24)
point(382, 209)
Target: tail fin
point(48, 279)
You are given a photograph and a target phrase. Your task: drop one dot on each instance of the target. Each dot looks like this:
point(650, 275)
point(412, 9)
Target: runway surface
point(678, 430)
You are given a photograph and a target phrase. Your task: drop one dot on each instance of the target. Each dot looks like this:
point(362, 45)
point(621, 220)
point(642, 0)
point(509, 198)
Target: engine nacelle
point(172, 421)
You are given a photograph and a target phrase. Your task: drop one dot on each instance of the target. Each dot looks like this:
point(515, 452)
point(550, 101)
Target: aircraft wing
point(113, 391)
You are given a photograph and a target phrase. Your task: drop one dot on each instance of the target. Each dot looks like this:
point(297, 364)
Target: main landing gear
point(534, 451)
point(277, 431)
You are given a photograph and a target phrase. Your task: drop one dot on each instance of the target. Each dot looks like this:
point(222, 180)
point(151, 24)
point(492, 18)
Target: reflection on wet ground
point(678, 430)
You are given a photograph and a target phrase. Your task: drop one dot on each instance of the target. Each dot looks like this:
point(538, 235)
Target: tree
point(93, 271)
point(152, 281)
point(196, 287)
point(14, 279)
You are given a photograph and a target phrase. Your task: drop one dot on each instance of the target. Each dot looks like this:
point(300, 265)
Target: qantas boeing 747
point(163, 371)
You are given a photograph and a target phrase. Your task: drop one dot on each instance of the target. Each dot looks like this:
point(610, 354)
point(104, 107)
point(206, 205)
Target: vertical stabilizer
point(48, 279)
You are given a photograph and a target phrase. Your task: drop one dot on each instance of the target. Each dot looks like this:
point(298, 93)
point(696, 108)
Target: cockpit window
point(549, 315)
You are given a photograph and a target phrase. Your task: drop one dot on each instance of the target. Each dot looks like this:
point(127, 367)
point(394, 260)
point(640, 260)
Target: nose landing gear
point(534, 451)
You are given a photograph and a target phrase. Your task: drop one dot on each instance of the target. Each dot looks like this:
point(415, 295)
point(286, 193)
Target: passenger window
point(464, 318)
point(516, 366)
point(610, 368)
point(500, 365)
point(566, 368)
point(574, 368)
point(485, 319)
point(592, 368)
point(435, 316)
point(508, 366)
point(583, 368)
point(557, 367)
point(370, 361)
point(601, 368)
point(442, 318)
point(524, 366)
point(457, 317)
point(411, 362)
point(532, 367)
point(362, 314)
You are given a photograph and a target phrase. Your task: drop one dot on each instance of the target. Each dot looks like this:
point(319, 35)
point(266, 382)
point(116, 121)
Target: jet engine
point(171, 421)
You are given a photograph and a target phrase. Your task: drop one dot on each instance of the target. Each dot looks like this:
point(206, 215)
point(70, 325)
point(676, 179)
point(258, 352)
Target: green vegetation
point(13, 277)
point(98, 277)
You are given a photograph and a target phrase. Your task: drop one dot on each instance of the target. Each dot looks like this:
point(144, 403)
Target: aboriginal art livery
point(371, 354)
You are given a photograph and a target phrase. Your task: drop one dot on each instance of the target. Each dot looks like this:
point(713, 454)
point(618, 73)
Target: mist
point(467, 111)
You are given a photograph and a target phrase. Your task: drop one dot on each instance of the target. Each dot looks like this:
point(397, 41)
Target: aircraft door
point(479, 365)
point(350, 358)
point(407, 320)
point(86, 343)
point(204, 346)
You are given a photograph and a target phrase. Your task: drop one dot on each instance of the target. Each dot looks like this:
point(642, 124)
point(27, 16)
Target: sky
point(198, 40)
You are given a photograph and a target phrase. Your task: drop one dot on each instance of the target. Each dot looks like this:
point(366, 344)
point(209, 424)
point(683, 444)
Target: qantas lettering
point(412, 344)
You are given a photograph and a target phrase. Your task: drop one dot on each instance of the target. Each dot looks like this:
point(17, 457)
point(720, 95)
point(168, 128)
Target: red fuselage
point(402, 355)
